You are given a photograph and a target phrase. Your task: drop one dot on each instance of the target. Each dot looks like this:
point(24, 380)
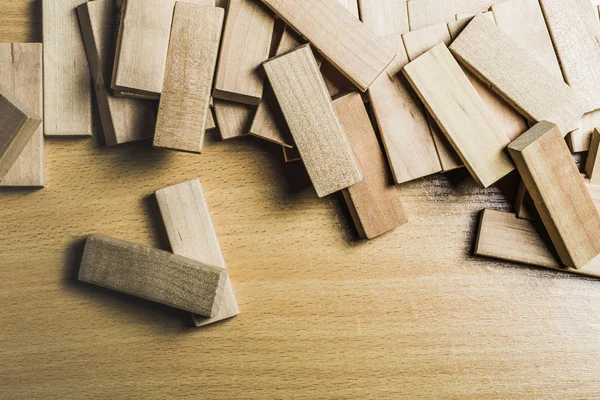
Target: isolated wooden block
point(233, 119)
point(21, 76)
point(67, 83)
point(342, 39)
point(123, 120)
point(592, 166)
point(384, 17)
point(191, 234)
point(559, 193)
point(461, 114)
point(509, 70)
point(310, 115)
point(422, 13)
point(153, 275)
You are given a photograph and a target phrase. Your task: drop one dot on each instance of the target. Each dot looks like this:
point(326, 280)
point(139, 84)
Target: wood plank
point(461, 114)
point(374, 202)
point(342, 39)
point(192, 234)
point(310, 115)
point(123, 120)
point(502, 64)
point(592, 166)
point(153, 275)
point(191, 62)
point(555, 184)
point(384, 17)
point(422, 13)
point(21, 76)
point(67, 82)
point(233, 119)
point(246, 43)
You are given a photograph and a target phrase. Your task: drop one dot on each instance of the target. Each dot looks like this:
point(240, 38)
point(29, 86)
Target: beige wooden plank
point(191, 234)
point(342, 39)
point(502, 64)
point(21, 76)
point(461, 114)
point(233, 119)
point(153, 275)
point(246, 43)
point(385, 17)
point(555, 184)
point(422, 13)
point(123, 120)
point(374, 202)
point(592, 166)
point(310, 115)
point(67, 83)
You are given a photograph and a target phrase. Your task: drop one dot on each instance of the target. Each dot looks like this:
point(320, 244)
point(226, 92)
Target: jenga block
point(67, 83)
point(385, 17)
point(524, 83)
point(310, 115)
point(21, 76)
point(592, 166)
point(191, 234)
point(461, 114)
point(342, 39)
point(374, 202)
point(233, 119)
point(524, 207)
point(123, 120)
point(422, 13)
point(554, 183)
point(579, 140)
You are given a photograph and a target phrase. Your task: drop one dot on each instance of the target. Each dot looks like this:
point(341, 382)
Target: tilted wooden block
point(384, 17)
point(233, 119)
point(310, 115)
point(559, 193)
point(67, 83)
point(123, 120)
point(153, 275)
point(374, 203)
point(191, 234)
point(592, 166)
point(342, 39)
point(456, 27)
point(422, 13)
point(500, 62)
point(461, 114)
point(21, 76)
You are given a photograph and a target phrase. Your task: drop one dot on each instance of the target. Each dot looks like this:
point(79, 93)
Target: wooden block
point(374, 202)
point(554, 183)
point(422, 13)
point(21, 76)
point(456, 27)
point(524, 83)
point(575, 34)
point(291, 154)
point(233, 119)
point(524, 207)
point(310, 115)
point(592, 166)
point(402, 122)
point(67, 83)
point(123, 120)
point(191, 234)
point(385, 17)
point(191, 62)
point(342, 39)
point(352, 6)
point(461, 114)
point(153, 275)
point(579, 140)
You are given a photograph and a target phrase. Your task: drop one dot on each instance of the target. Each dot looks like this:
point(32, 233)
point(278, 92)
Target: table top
point(323, 314)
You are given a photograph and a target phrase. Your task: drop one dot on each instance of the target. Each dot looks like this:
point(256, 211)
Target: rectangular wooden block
point(510, 71)
point(233, 119)
point(312, 120)
point(422, 13)
point(21, 76)
point(461, 114)
point(456, 27)
point(191, 62)
point(191, 234)
point(385, 17)
point(592, 166)
point(342, 39)
point(67, 83)
point(374, 202)
point(559, 193)
point(153, 275)
point(123, 120)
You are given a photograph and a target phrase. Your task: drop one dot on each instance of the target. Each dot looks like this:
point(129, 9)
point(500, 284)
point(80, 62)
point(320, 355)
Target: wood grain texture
point(192, 235)
point(21, 76)
point(423, 13)
point(510, 71)
point(312, 120)
point(233, 119)
point(384, 17)
point(592, 166)
point(67, 82)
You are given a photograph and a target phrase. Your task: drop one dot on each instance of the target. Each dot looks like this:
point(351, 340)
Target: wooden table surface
point(410, 315)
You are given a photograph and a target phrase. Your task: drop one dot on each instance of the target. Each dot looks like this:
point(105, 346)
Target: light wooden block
point(456, 27)
point(385, 17)
point(312, 120)
point(67, 82)
point(123, 120)
point(510, 71)
point(191, 234)
point(559, 193)
point(461, 114)
point(21, 76)
point(374, 203)
point(342, 39)
point(233, 119)
point(422, 13)
point(592, 166)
